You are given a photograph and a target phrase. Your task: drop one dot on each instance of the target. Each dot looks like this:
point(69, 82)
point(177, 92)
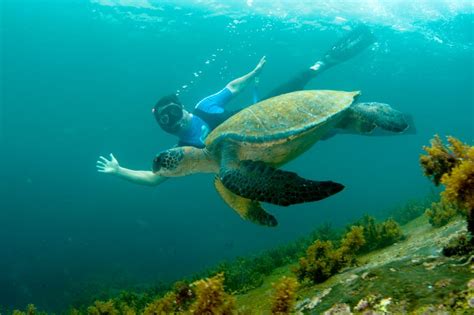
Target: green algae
point(411, 274)
point(408, 276)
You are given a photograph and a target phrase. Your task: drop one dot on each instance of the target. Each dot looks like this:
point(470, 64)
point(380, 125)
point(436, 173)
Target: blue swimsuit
point(207, 115)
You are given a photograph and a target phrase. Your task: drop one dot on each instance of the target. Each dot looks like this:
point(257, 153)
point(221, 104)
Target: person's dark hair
point(168, 111)
point(168, 99)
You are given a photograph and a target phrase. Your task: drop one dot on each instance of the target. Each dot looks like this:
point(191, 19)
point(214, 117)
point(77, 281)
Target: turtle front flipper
point(258, 181)
point(247, 209)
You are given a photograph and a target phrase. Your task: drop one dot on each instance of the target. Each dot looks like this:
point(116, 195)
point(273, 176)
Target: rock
point(362, 305)
point(339, 309)
point(443, 283)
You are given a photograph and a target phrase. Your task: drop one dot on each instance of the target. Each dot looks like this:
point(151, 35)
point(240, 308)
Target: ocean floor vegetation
point(452, 166)
point(420, 265)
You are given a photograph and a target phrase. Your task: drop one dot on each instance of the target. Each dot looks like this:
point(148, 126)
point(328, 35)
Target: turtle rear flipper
point(247, 209)
point(258, 181)
point(364, 117)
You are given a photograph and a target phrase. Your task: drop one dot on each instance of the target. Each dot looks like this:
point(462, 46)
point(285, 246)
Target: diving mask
point(169, 116)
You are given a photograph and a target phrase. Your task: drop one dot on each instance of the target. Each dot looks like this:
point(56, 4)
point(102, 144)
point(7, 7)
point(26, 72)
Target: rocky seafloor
point(411, 276)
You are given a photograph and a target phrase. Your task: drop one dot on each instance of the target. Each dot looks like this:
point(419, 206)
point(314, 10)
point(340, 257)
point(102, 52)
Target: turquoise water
point(79, 79)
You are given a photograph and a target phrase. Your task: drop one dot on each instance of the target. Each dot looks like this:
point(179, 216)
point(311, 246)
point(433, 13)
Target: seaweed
point(453, 166)
point(184, 295)
point(30, 310)
point(284, 295)
point(322, 260)
point(102, 308)
point(440, 159)
point(460, 246)
point(246, 273)
point(379, 235)
point(324, 253)
point(441, 213)
point(413, 209)
point(350, 246)
point(459, 182)
point(211, 297)
point(319, 263)
point(164, 305)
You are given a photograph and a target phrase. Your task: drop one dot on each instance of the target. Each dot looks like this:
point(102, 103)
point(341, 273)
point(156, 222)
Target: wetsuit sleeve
point(211, 109)
point(215, 103)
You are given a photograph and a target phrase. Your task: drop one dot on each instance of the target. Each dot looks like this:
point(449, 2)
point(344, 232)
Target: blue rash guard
point(207, 115)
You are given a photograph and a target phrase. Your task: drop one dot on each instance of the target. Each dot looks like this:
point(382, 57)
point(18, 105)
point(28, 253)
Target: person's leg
point(212, 108)
point(297, 83)
point(344, 49)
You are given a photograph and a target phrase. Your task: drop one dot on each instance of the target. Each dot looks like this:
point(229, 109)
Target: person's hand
point(108, 166)
point(260, 65)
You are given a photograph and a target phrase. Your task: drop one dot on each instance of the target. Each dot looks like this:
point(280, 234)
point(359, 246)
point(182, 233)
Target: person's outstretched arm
point(138, 177)
point(239, 84)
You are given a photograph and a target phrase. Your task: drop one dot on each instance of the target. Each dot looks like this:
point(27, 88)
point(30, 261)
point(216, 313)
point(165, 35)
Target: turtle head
point(169, 162)
point(182, 161)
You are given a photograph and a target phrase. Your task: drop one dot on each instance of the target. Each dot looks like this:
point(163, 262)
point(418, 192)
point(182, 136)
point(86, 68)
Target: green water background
point(79, 80)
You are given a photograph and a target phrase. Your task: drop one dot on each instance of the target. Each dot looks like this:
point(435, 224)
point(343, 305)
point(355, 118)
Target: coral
point(102, 308)
point(284, 296)
point(211, 297)
point(441, 213)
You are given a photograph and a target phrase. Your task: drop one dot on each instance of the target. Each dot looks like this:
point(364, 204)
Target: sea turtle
point(246, 150)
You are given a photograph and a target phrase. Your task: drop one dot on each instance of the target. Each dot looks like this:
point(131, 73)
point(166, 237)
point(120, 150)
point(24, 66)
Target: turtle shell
point(283, 116)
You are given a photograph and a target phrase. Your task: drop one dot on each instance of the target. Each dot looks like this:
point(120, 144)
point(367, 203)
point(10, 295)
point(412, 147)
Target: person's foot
point(260, 65)
point(317, 66)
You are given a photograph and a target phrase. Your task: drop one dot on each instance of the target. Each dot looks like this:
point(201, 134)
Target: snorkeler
point(192, 128)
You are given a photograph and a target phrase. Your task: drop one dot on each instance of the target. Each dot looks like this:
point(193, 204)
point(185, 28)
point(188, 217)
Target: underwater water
point(79, 80)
